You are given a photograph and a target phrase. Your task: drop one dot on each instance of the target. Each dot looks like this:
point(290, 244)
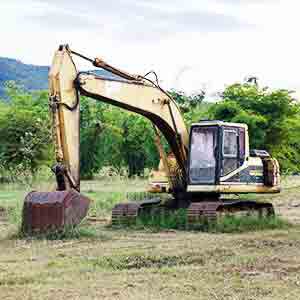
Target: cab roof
point(219, 123)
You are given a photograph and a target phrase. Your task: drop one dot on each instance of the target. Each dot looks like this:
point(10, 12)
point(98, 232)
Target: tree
point(185, 102)
point(124, 139)
point(116, 138)
point(24, 131)
point(138, 148)
point(100, 137)
point(110, 136)
point(272, 117)
point(193, 107)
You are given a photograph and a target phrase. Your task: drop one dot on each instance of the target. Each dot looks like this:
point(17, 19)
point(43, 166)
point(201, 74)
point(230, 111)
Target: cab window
point(202, 168)
point(230, 143)
point(230, 151)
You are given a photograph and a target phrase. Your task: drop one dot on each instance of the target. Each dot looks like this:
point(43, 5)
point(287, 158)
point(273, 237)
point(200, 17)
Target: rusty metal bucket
point(44, 211)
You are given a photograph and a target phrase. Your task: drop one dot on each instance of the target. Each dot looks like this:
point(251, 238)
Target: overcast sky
point(192, 44)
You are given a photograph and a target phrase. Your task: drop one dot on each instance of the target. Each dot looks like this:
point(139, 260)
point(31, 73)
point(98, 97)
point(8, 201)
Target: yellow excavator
point(210, 159)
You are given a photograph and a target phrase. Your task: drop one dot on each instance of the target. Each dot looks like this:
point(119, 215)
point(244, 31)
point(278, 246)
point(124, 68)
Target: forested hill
point(31, 77)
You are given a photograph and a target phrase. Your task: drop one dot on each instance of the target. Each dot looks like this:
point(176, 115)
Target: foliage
point(138, 145)
point(90, 130)
point(113, 137)
point(24, 131)
point(193, 107)
point(186, 102)
point(271, 115)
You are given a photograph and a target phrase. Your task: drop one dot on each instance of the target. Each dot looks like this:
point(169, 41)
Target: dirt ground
point(128, 264)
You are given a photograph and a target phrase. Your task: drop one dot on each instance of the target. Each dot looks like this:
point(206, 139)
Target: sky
point(191, 44)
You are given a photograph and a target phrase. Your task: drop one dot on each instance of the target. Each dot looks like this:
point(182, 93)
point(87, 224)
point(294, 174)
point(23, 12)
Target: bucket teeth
point(44, 211)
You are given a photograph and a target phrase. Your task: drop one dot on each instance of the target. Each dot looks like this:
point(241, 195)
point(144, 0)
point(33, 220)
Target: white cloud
point(191, 44)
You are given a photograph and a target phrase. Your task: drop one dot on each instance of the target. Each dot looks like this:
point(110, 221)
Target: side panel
point(251, 172)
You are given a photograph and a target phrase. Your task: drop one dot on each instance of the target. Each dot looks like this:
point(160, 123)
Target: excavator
point(206, 162)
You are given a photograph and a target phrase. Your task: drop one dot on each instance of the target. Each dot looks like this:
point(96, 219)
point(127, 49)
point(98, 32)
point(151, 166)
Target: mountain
point(31, 77)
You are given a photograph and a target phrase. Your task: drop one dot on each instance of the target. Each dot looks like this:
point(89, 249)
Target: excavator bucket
point(47, 211)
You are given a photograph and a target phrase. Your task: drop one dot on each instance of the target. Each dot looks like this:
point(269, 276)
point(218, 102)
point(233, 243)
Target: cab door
point(203, 155)
point(230, 150)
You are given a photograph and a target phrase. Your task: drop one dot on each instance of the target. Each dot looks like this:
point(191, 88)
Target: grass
point(93, 261)
point(224, 224)
point(163, 220)
point(67, 233)
point(239, 224)
point(138, 261)
point(103, 201)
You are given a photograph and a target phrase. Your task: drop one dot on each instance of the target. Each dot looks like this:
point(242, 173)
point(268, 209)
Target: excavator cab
point(220, 162)
point(216, 150)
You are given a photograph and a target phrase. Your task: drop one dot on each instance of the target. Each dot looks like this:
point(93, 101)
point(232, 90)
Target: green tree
point(110, 136)
point(24, 130)
point(193, 107)
point(100, 137)
point(272, 117)
point(138, 148)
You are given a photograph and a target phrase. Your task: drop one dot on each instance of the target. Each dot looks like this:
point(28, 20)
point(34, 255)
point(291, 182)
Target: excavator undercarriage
point(196, 213)
point(209, 160)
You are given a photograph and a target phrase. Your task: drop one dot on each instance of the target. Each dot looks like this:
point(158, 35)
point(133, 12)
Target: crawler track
point(127, 213)
point(197, 212)
point(210, 211)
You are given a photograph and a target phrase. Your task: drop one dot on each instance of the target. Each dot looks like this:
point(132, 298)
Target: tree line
point(112, 137)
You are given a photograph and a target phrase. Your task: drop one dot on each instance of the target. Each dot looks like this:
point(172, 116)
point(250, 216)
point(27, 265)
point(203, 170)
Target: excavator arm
point(133, 93)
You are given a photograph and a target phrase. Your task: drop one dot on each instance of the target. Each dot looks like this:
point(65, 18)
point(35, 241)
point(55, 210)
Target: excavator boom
point(130, 92)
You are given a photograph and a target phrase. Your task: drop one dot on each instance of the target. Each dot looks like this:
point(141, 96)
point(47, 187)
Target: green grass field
point(98, 262)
